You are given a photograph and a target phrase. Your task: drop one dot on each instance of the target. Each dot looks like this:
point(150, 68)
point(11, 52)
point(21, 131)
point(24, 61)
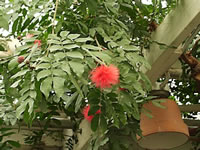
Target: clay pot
point(166, 129)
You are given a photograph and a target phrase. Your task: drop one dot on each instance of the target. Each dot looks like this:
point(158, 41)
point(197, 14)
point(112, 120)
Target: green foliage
point(75, 38)
point(6, 144)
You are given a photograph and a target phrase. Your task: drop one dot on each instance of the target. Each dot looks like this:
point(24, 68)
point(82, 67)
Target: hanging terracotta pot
point(166, 129)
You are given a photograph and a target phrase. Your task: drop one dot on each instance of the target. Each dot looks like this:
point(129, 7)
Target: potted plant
point(165, 129)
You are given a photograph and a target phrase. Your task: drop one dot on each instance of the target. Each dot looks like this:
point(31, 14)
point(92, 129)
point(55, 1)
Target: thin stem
point(97, 42)
point(54, 17)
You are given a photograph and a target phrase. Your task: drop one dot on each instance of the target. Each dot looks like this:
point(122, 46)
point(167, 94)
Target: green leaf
point(27, 40)
point(5, 129)
point(15, 84)
point(46, 86)
point(82, 40)
point(23, 47)
point(102, 56)
point(92, 47)
point(12, 64)
point(44, 59)
point(43, 73)
point(4, 23)
point(7, 134)
point(33, 94)
point(30, 104)
point(24, 97)
point(14, 143)
point(135, 58)
point(64, 34)
point(93, 97)
point(53, 36)
point(65, 67)
point(92, 5)
point(19, 24)
point(131, 48)
point(93, 56)
point(14, 26)
point(122, 24)
point(21, 109)
point(24, 90)
point(26, 23)
point(20, 73)
point(95, 123)
point(54, 42)
point(58, 72)
point(146, 80)
point(147, 112)
point(76, 84)
point(78, 103)
point(59, 55)
point(71, 46)
point(75, 54)
point(112, 44)
point(55, 48)
point(35, 32)
point(67, 42)
point(93, 110)
point(92, 32)
point(58, 86)
point(69, 99)
point(43, 66)
point(157, 103)
point(103, 123)
point(33, 49)
point(73, 36)
point(104, 141)
point(43, 106)
point(77, 67)
point(137, 85)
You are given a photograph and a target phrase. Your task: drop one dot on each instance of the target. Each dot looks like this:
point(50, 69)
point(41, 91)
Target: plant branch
point(53, 24)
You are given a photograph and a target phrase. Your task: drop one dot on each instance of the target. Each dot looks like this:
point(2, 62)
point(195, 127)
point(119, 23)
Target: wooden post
point(174, 29)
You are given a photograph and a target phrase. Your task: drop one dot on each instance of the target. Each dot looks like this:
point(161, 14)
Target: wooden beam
point(65, 124)
point(45, 147)
point(190, 108)
point(174, 29)
point(84, 137)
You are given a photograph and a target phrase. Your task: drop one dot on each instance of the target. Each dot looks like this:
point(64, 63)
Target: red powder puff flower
point(38, 41)
point(105, 76)
point(86, 109)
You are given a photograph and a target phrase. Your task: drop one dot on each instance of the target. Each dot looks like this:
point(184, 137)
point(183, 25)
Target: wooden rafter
point(175, 28)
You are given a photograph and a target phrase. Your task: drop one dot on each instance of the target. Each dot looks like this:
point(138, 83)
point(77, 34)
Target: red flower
point(103, 76)
point(98, 111)
point(86, 109)
point(37, 41)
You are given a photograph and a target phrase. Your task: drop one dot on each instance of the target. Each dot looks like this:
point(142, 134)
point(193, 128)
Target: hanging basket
point(166, 129)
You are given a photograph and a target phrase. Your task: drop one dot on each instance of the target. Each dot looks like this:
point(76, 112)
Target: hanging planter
point(166, 129)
